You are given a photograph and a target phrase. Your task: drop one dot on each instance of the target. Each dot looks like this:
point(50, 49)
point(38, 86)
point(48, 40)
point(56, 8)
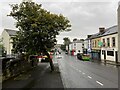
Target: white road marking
point(99, 83)
point(83, 73)
point(87, 76)
point(90, 77)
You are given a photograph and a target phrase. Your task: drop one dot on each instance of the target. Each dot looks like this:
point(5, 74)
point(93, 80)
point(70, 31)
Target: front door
point(116, 56)
point(104, 55)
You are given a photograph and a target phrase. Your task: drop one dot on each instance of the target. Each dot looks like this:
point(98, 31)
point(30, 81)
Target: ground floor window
point(110, 53)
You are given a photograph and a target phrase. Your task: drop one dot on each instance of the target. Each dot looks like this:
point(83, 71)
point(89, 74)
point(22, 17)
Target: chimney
point(101, 30)
point(88, 36)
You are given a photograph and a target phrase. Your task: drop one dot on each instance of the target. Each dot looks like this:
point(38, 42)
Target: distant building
point(76, 46)
point(87, 45)
point(6, 36)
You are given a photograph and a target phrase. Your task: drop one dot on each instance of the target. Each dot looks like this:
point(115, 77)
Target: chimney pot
point(88, 36)
point(101, 30)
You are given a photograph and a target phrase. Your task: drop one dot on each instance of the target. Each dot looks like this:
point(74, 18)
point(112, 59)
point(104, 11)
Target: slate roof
point(77, 41)
point(111, 30)
point(108, 31)
point(11, 32)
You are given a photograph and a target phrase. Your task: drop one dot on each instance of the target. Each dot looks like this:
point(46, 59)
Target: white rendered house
point(6, 36)
point(76, 45)
point(109, 49)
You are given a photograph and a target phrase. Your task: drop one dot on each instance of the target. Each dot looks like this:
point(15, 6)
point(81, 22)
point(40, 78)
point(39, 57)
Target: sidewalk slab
point(48, 79)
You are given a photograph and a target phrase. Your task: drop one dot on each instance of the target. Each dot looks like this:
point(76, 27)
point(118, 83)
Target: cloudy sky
point(85, 17)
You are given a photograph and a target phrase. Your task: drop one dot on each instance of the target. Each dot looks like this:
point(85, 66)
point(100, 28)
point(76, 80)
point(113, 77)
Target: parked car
point(79, 56)
point(44, 58)
point(86, 57)
point(66, 52)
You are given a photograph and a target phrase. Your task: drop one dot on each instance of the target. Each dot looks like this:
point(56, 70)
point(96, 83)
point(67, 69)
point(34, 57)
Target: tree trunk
point(50, 60)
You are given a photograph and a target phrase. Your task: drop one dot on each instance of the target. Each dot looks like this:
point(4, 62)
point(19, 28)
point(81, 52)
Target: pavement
point(39, 77)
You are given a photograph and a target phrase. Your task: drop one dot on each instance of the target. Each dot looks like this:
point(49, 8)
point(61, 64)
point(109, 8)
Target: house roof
point(111, 30)
point(108, 31)
point(77, 41)
point(11, 32)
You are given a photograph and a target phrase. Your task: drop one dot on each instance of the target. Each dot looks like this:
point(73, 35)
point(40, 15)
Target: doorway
point(104, 55)
point(116, 56)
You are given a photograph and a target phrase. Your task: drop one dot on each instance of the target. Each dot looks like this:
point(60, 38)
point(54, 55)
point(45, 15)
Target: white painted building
point(76, 45)
point(109, 49)
point(87, 44)
point(6, 36)
point(70, 47)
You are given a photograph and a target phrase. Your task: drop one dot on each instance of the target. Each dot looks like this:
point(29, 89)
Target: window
point(95, 43)
point(110, 53)
point(113, 41)
point(98, 43)
point(74, 44)
point(103, 42)
point(108, 42)
point(102, 52)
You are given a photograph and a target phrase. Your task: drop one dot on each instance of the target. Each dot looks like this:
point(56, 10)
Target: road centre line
point(87, 76)
point(83, 73)
point(99, 83)
point(90, 77)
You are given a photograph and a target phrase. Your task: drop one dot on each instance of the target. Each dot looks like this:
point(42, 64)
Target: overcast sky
point(85, 17)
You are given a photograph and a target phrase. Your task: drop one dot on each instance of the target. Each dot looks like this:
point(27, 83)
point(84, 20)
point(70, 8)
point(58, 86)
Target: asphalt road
point(86, 74)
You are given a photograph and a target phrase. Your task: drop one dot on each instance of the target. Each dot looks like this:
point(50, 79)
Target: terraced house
point(96, 44)
point(109, 49)
point(104, 44)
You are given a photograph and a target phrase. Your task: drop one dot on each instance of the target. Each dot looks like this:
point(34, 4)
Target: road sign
point(100, 43)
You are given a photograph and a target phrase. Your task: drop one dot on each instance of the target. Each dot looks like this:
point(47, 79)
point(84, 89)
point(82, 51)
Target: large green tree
point(66, 42)
point(37, 28)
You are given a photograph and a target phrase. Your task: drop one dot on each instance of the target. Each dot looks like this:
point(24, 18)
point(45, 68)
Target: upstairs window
point(113, 41)
point(95, 43)
point(74, 44)
point(108, 42)
point(103, 42)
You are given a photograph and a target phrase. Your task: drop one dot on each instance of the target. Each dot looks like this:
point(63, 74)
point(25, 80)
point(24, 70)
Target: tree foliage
point(37, 27)
point(66, 41)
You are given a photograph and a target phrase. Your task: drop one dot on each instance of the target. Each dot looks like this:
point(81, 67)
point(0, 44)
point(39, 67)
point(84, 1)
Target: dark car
point(66, 52)
point(79, 56)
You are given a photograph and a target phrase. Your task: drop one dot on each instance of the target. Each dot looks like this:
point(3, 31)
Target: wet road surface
point(85, 74)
